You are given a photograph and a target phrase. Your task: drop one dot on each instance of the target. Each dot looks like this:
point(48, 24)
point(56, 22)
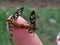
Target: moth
point(12, 21)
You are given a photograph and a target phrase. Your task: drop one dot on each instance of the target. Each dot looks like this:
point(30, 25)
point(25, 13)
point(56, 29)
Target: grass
point(47, 29)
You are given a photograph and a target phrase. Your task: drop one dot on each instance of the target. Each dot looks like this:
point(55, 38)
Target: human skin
point(21, 36)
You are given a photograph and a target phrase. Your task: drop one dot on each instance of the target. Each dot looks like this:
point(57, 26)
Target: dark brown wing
point(32, 21)
point(17, 13)
point(14, 17)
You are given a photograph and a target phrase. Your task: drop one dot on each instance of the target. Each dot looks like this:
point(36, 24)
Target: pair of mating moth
point(12, 21)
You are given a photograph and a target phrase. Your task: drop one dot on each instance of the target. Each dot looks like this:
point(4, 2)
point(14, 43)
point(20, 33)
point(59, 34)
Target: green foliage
point(3, 17)
point(48, 24)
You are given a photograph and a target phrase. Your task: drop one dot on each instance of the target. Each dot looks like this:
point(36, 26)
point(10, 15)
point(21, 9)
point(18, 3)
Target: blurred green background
point(48, 23)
